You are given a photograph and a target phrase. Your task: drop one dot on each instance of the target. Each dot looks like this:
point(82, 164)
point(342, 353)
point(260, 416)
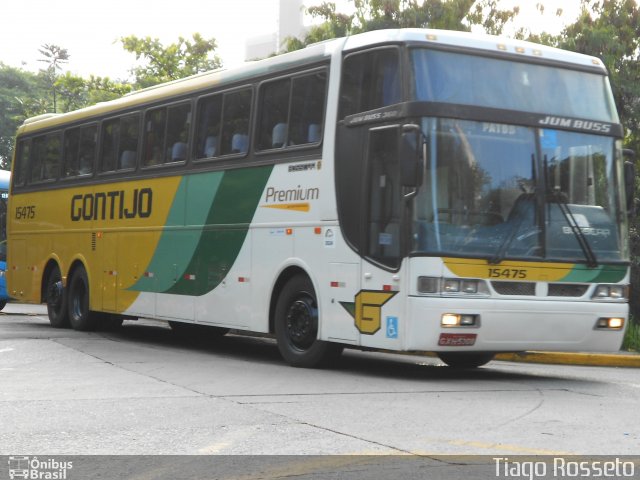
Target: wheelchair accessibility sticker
point(392, 327)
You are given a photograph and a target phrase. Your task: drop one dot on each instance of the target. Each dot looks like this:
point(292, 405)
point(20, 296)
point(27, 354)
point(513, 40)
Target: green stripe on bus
point(601, 274)
point(205, 230)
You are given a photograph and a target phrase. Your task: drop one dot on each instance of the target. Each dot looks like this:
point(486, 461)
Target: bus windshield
point(488, 82)
point(488, 192)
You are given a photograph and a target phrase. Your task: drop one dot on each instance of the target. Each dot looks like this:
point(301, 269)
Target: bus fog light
point(459, 320)
point(614, 323)
point(450, 320)
point(468, 320)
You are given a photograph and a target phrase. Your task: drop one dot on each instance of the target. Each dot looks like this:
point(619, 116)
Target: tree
point(54, 57)
point(21, 96)
point(77, 92)
point(379, 14)
point(177, 60)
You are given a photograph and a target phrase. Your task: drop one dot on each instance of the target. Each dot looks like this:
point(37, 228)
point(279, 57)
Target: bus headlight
point(611, 292)
point(454, 286)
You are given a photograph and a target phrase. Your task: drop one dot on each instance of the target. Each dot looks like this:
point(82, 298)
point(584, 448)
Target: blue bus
point(5, 176)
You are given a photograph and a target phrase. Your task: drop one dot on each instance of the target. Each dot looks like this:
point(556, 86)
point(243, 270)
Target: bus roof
point(315, 53)
point(474, 42)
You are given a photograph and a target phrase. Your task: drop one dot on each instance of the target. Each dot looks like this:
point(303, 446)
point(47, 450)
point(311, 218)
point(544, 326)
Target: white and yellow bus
point(407, 190)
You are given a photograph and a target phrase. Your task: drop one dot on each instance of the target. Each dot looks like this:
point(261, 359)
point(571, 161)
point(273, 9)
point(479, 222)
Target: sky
point(90, 30)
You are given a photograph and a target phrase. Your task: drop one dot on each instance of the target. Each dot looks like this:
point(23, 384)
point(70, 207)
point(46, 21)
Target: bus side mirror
point(630, 179)
point(410, 156)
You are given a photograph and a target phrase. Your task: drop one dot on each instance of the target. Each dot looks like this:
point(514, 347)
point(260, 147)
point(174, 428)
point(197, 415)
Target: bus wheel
point(296, 325)
point(80, 316)
point(467, 359)
point(56, 300)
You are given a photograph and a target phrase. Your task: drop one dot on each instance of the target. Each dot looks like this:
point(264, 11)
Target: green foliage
point(24, 94)
point(379, 14)
point(20, 97)
point(54, 56)
point(177, 60)
point(76, 92)
point(631, 340)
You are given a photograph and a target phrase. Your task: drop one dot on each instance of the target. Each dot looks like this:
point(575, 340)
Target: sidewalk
point(622, 359)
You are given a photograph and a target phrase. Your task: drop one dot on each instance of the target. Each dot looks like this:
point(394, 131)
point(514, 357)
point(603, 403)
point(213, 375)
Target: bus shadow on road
point(263, 349)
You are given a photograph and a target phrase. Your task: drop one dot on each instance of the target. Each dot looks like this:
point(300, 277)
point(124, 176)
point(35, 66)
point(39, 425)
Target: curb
point(623, 359)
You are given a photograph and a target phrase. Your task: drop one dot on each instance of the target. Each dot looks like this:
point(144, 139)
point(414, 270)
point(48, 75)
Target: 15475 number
point(26, 213)
point(510, 273)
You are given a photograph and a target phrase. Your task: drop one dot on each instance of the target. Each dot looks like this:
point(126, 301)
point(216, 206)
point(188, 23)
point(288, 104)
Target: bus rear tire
point(80, 317)
point(56, 297)
point(466, 359)
point(296, 326)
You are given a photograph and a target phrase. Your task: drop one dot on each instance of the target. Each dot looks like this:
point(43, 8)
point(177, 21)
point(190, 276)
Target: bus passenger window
point(45, 163)
point(274, 114)
point(178, 124)
point(22, 162)
point(166, 134)
point(87, 149)
point(110, 133)
point(79, 150)
point(128, 145)
point(235, 122)
point(208, 127)
point(292, 111)
point(307, 108)
point(154, 137)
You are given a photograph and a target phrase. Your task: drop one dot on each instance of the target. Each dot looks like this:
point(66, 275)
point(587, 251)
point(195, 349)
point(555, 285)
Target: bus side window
point(307, 108)
point(166, 134)
point(178, 125)
point(274, 114)
point(128, 142)
point(45, 164)
point(87, 149)
point(109, 149)
point(235, 122)
point(22, 162)
point(79, 150)
point(208, 127)
point(370, 80)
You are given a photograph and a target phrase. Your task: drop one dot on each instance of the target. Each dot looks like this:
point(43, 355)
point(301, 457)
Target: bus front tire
point(466, 359)
point(296, 326)
point(80, 317)
point(56, 297)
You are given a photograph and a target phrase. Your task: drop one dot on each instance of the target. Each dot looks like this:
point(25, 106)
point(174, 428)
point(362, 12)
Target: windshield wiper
point(511, 235)
point(563, 205)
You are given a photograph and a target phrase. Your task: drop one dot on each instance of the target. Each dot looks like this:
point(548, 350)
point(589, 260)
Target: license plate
point(457, 339)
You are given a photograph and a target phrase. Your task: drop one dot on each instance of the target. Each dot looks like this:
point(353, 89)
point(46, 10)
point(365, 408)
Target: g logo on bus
point(367, 309)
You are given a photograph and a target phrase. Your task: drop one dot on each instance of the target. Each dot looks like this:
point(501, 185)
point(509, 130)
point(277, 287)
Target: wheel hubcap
point(302, 321)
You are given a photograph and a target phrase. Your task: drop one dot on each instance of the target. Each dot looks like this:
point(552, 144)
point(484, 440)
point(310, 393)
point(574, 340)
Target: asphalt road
point(143, 391)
